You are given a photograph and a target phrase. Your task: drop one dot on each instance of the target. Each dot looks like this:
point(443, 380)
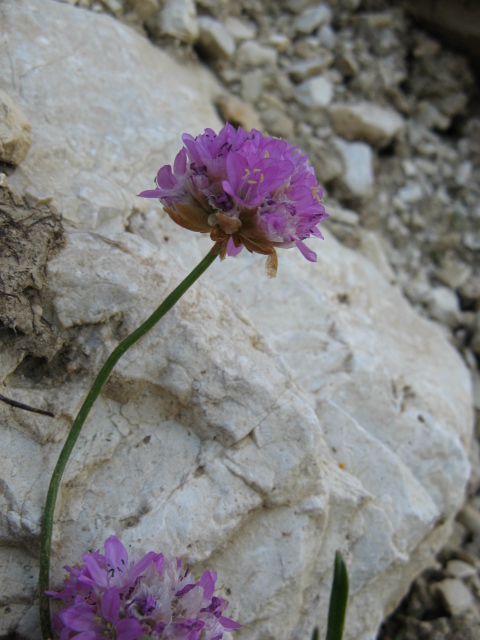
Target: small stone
point(327, 37)
point(460, 569)
point(471, 240)
point(453, 273)
point(463, 173)
point(252, 54)
point(343, 216)
point(278, 123)
point(312, 18)
point(325, 159)
point(280, 41)
point(240, 30)
point(15, 130)
point(442, 305)
point(347, 64)
point(358, 177)
point(368, 122)
point(409, 168)
point(306, 68)
point(430, 116)
point(315, 93)
point(410, 193)
point(144, 8)
point(113, 6)
point(470, 291)
point(214, 40)
point(179, 20)
point(252, 85)
point(475, 342)
point(456, 596)
point(238, 112)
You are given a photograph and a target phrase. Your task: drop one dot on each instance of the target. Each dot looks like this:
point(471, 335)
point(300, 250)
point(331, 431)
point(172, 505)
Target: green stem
point(47, 523)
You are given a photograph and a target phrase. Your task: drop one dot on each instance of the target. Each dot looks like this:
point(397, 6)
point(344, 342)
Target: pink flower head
point(150, 598)
point(245, 190)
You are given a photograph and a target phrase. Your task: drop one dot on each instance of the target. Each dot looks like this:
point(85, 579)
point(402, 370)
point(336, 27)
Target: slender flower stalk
point(47, 523)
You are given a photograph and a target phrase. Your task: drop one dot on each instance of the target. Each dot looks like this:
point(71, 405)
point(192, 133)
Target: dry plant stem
point(26, 407)
point(47, 523)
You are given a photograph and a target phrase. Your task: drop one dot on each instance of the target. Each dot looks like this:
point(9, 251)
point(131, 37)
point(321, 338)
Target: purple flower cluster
point(246, 190)
point(113, 597)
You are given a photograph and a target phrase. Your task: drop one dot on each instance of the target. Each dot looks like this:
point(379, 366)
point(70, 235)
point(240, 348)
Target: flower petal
point(142, 564)
point(111, 605)
point(228, 623)
point(79, 618)
point(128, 629)
point(233, 250)
point(116, 556)
point(207, 582)
point(310, 255)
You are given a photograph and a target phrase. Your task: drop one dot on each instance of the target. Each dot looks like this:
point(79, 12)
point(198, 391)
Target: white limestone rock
point(97, 148)
point(217, 438)
point(442, 304)
point(368, 122)
point(311, 18)
point(239, 29)
point(253, 54)
point(315, 93)
point(179, 19)
point(214, 39)
point(358, 177)
point(15, 131)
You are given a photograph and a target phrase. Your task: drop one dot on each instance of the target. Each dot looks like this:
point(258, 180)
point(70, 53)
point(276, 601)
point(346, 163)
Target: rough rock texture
point(93, 144)
point(254, 447)
point(368, 122)
point(15, 130)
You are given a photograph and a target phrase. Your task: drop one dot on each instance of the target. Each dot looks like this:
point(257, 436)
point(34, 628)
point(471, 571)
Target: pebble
point(410, 193)
point(238, 112)
point(456, 596)
point(179, 20)
point(463, 173)
point(358, 177)
point(312, 18)
point(327, 37)
point(15, 131)
point(347, 64)
point(252, 85)
point(452, 272)
point(240, 30)
point(325, 159)
point(214, 39)
point(366, 121)
point(279, 41)
point(304, 69)
point(460, 569)
point(315, 93)
point(470, 518)
point(442, 305)
point(252, 54)
point(278, 123)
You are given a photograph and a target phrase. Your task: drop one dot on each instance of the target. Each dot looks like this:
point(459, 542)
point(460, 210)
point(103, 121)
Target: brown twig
point(27, 407)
